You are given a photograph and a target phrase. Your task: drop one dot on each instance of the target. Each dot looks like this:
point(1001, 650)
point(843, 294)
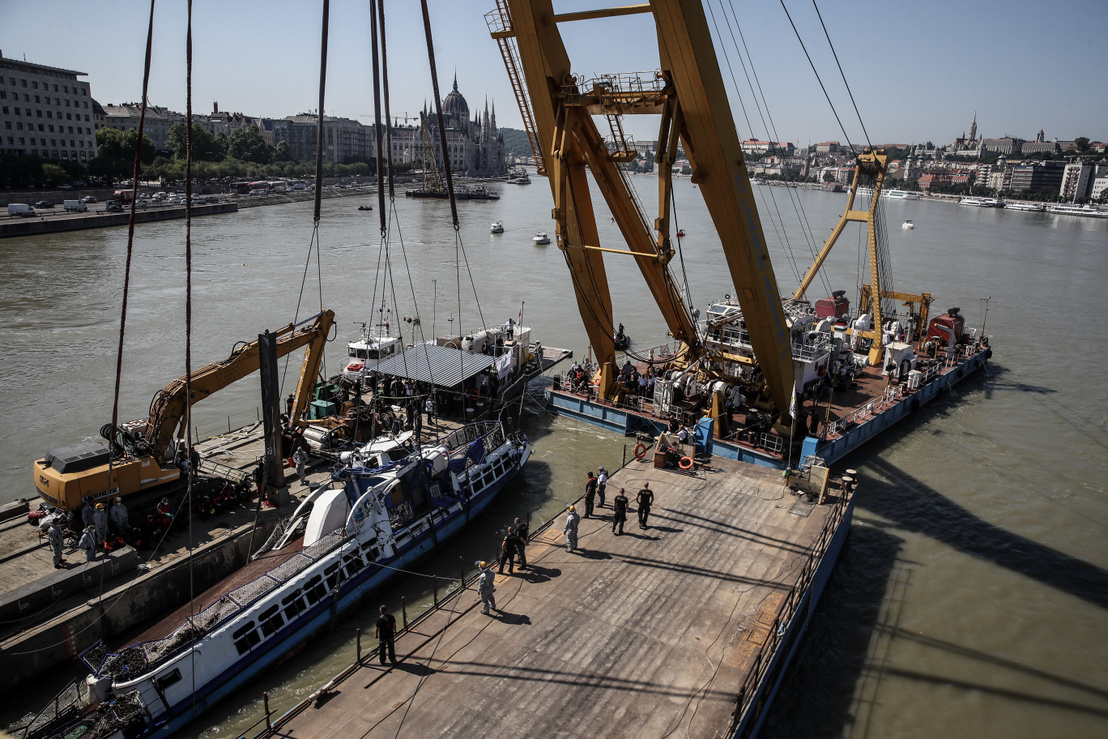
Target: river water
point(972, 597)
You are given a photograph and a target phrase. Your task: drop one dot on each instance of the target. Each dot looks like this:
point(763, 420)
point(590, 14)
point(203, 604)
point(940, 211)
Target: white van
point(20, 209)
point(75, 206)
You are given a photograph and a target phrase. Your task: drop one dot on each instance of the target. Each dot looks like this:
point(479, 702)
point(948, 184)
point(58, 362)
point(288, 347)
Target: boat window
point(246, 637)
point(314, 589)
point(169, 678)
point(292, 605)
point(271, 620)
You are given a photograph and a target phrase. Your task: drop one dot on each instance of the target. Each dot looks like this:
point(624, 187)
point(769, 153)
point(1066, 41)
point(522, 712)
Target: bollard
point(265, 701)
point(624, 457)
point(404, 610)
point(461, 573)
point(435, 581)
point(358, 635)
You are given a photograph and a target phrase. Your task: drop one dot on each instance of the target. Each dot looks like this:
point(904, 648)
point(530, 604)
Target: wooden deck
point(646, 634)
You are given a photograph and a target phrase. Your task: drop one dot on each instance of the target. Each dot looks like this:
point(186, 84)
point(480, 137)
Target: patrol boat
point(387, 507)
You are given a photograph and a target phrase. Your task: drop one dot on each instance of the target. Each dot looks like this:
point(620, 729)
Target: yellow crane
point(689, 95)
point(146, 460)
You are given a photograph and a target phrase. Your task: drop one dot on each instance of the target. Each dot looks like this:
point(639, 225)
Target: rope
point(842, 73)
point(191, 471)
point(319, 124)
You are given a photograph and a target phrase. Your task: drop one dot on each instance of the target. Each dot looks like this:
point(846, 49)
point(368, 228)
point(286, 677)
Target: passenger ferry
point(389, 505)
point(900, 195)
point(982, 202)
point(1033, 207)
point(1069, 209)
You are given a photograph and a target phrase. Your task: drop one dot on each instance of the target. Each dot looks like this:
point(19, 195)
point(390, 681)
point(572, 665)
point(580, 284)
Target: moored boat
point(1020, 205)
point(388, 507)
point(1070, 209)
point(901, 195)
point(982, 202)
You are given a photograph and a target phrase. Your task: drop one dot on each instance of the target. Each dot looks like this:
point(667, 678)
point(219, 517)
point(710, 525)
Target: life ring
point(686, 463)
point(640, 450)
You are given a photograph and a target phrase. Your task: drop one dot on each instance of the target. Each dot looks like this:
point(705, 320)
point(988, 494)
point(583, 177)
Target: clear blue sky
point(918, 70)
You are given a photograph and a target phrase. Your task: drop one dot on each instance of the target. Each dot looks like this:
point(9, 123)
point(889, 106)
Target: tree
point(1082, 143)
point(281, 152)
point(205, 146)
point(119, 146)
point(246, 144)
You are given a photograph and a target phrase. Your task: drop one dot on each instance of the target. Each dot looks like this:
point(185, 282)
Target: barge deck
point(680, 628)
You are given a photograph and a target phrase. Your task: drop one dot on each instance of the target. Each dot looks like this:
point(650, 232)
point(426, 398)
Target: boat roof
point(439, 365)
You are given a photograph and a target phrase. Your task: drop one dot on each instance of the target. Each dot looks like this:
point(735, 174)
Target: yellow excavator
point(141, 454)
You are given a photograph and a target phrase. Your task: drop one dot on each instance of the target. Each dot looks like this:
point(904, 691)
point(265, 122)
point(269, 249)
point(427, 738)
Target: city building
point(1006, 145)
point(1040, 146)
point(475, 146)
point(155, 126)
point(344, 140)
point(1077, 179)
point(753, 146)
point(1037, 177)
point(45, 112)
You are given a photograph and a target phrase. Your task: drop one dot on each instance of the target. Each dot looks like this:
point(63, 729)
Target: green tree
point(205, 146)
point(53, 175)
point(1082, 143)
point(120, 145)
point(246, 144)
point(281, 152)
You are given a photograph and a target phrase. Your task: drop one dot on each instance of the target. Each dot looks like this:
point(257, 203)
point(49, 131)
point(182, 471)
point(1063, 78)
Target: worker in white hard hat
point(570, 530)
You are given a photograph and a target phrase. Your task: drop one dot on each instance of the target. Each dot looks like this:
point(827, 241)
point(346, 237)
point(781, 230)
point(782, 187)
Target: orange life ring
point(686, 463)
point(640, 450)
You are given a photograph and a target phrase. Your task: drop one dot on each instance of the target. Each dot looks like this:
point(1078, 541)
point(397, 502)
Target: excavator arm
point(169, 406)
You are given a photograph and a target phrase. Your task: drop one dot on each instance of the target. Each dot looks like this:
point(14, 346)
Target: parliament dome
point(455, 106)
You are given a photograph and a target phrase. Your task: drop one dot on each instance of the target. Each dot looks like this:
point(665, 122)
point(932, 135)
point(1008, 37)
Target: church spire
point(973, 127)
point(455, 80)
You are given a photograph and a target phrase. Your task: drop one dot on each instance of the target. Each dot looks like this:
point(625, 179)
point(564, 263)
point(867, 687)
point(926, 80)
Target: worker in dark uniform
point(523, 532)
point(508, 550)
point(620, 515)
point(645, 500)
point(590, 494)
point(386, 635)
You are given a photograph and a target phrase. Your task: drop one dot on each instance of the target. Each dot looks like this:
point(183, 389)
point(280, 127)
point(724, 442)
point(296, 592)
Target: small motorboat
point(497, 228)
point(541, 238)
point(680, 233)
point(908, 225)
point(622, 340)
point(365, 207)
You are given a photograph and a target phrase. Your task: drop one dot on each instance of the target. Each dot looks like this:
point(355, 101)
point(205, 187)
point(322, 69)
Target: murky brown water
point(972, 598)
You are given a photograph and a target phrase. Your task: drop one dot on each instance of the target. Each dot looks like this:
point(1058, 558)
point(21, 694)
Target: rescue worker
point(386, 635)
point(54, 532)
point(100, 523)
point(508, 550)
point(486, 587)
point(646, 499)
point(590, 493)
point(120, 518)
point(300, 456)
point(523, 532)
point(570, 530)
point(86, 513)
point(601, 483)
point(620, 515)
point(88, 543)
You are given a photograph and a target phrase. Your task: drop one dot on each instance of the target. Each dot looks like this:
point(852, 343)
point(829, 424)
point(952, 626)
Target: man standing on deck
point(121, 520)
point(486, 587)
point(523, 532)
point(508, 550)
point(590, 493)
point(100, 523)
point(620, 516)
point(646, 499)
point(300, 456)
point(601, 484)
point(386, 634)
point(86, 513)
point(88, 543)
point(56, 539)
point(570, 530)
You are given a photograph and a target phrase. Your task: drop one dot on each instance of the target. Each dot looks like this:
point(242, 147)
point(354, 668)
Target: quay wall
point(64, 637)
point(81, 221)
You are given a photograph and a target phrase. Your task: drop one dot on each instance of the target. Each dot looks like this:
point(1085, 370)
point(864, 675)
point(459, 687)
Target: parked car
point(44, 204)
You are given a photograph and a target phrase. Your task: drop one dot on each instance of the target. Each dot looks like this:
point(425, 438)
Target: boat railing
point(458, 440)
point(71, 698)
point(763, 661)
